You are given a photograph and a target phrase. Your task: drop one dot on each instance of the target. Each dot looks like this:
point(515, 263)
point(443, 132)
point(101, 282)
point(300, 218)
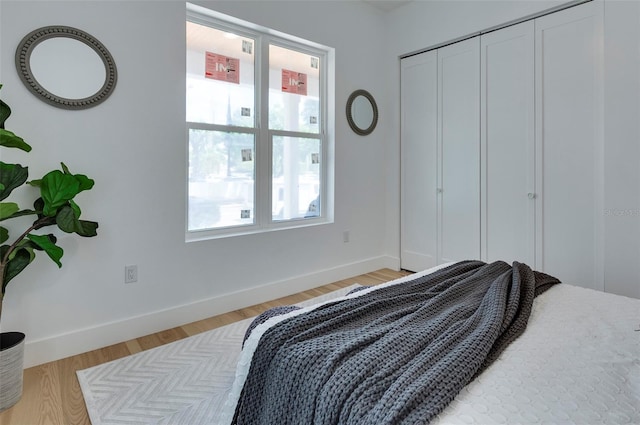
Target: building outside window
point(259, 145)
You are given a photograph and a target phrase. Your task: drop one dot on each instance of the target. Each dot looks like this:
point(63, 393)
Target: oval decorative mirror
point(362, 112)
point(66, 67)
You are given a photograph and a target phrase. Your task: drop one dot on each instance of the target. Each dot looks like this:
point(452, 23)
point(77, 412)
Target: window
point(259, 145)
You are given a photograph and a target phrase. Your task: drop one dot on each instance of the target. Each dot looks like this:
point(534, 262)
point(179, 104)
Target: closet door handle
point(439, 190)
point(531, 195)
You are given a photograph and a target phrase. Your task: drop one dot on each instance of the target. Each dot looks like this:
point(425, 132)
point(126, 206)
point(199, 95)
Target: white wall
point(423, 24)
point(133, 145)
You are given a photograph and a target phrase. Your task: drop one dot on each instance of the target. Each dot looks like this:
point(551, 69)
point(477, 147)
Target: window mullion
point(300, 134)
point(263, 142)
point(326, 146)
point(220, 127)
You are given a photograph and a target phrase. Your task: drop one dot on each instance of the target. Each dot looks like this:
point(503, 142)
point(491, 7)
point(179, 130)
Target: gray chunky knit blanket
point(396, 355)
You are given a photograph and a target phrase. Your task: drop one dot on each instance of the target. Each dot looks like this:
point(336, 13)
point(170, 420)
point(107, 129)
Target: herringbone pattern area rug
point(185, 382)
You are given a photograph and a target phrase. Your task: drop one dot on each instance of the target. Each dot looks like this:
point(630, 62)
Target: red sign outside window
point(223, 68)
point(294, 82)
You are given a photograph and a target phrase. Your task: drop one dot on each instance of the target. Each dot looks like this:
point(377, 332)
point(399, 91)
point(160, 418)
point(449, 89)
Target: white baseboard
point(83, 340)
point(392, 263)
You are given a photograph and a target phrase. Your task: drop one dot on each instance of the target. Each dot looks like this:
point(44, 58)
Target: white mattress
point(578, 362)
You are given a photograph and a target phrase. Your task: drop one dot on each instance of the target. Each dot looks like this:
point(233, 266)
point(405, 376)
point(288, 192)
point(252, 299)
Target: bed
point(578, 361)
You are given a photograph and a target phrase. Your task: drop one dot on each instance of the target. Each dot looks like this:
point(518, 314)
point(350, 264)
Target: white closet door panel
point(459, 151)
point(419, 102)
point(622, 154)
point(507, 140)
point(570, 145)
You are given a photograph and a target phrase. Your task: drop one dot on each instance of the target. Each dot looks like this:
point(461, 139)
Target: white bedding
point(578, 362)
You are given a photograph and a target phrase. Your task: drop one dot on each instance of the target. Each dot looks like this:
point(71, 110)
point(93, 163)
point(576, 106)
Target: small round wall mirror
point(66, 67)
point(362, 112)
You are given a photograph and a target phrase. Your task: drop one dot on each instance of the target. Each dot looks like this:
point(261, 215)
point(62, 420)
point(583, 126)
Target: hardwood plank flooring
point(52, 395)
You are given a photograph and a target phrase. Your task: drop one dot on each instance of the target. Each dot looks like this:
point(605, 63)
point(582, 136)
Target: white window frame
point(264, 37)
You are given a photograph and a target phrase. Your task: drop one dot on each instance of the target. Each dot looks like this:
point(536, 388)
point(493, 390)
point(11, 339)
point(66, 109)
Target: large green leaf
point(5, 111)
point(8, 139)
point(15, 266)
point(87, 228)
point(11, 176)
point(53, 251)
point(11, 210)
point(67, 221)
point(20, 214)
point(38, 204)
point(7, 209)
point(57, 189)
point(29, 246)
point(76, 208)
point(4, 234)
point(85, 182)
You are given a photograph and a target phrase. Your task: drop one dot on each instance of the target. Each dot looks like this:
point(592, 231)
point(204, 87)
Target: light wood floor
point(52, 395)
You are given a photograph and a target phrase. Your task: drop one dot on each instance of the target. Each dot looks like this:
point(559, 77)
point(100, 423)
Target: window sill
point(231, 232)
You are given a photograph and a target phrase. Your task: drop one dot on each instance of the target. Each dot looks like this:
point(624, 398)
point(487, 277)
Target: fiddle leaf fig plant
point(55, 206)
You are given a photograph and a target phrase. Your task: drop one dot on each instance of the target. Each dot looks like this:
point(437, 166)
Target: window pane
point(220, 77)
point(296, 178)
point(221, 179)
point(294, 88)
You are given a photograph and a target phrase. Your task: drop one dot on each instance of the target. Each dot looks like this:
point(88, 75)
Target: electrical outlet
point(345, 236)
point(130, 274)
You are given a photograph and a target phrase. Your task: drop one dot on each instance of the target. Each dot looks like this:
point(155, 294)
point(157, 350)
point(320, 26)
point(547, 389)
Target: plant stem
point(14, 244)
point(39, 223)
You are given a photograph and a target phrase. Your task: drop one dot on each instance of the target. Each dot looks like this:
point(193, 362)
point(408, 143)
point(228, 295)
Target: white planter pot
point(11, 368)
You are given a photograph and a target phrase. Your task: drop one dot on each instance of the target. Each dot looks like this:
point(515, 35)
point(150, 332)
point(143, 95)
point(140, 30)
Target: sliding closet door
point(459, 151)
point(569, 141)
point(507, 140)
point(419, 103)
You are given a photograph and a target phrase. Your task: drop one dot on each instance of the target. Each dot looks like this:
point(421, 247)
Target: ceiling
point(387, 5)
